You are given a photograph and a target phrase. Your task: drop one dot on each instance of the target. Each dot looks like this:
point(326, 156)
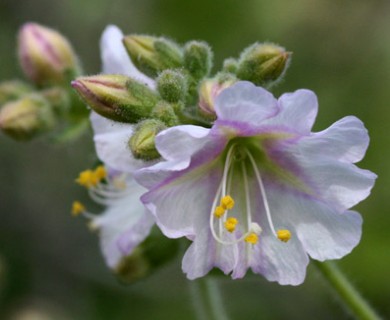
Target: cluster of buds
point(34, 107)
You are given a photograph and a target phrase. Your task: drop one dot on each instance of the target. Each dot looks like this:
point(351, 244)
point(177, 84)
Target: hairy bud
point(117, 97)
point(165, 112)
point(198, 59)
point(172, 86)
point(142, 142)
point(45, 56)
point(14, 89)
point(24, 118)
point(263, 64)
point(152, 55)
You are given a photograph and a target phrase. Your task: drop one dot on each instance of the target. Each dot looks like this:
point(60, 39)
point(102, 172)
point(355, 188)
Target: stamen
point(87, 178)
point(252, 238)
point(227, 202)
point(77, 208)
point(219, 212)
point(230, 224)
point(284, 235)
point(100, 173)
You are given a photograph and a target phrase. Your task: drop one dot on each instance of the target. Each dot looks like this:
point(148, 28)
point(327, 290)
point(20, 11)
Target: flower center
point(222, 219)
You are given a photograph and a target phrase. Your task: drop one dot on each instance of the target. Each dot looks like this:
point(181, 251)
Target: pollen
point(87, 178)
point(219, 211)
point(77, 208)
point(100, 173)
point(230, 224)
point(227, 202)
point(252, 238)
point(284, 235)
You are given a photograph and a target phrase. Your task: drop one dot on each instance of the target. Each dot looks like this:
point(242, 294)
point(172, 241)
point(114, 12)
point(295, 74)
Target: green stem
point(347, 293)
point(207, 300)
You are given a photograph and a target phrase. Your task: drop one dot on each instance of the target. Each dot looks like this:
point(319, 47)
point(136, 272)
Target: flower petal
point(126, 214)
point(323, 232)
point(339, 184)
point(244, 102)
point(183, 197)
point(298, 111)
point(205, 253)
point(346, 140)
point(181, 142)
point(111, 143)
point(115, 58)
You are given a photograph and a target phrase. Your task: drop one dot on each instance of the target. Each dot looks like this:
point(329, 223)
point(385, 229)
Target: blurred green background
point(50, 265)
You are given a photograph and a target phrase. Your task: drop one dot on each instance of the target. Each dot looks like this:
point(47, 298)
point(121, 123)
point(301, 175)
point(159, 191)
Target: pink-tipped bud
point(45, 56)
point(208, 92)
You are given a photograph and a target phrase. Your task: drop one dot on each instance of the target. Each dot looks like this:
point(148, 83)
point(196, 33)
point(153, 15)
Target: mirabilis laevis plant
point(259, 190)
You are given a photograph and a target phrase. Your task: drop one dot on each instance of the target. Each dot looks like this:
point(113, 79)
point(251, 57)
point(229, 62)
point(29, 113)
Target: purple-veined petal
point(111, 143)
point(298, 111)
point(323, 232)
point(243, 102)
point(341, 185)
point(346, 140)
point(115, 58)
point(205, 253)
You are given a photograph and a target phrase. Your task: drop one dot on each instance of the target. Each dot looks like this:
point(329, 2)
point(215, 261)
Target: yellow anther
point(219, 212)
point(227, 202)
point(284, 235)
point(230, 224)
point(87, 178)
point(77, 208)
point(100, 173)
point(252, 238)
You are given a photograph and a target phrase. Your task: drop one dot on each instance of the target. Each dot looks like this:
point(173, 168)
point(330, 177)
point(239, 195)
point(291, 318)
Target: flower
point(125, 223)
point(258, 190)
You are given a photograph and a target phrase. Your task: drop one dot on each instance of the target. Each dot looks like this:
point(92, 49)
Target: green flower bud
point(45, 55)
point(230, 65)
point(58, 99)
point(14, 89)
point(165, 112)
point(263, 64)
point(151, 254)
point(142, 142)
point(152, 55)
point(198, 59)
point(23, 119)
point(117, 97)
point(172, 86)
point(209, 90)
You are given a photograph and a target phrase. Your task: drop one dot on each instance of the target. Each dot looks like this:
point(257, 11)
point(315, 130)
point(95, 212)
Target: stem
point(351, 298)
point(207, 300)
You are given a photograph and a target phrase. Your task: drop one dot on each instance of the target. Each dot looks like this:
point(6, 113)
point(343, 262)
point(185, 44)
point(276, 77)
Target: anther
point(100, 173)
point(284, 235)
point(230, 224)
point(252, 238)
point(77, 208)
point(219, 211)
point(87, 178)
point(227, 202)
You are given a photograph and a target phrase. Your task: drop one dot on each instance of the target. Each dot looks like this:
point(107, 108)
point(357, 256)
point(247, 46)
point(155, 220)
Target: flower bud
point(14, 89)
point(116, 97)
point(45, 55)
point(165, 112)
point(152, 55)
point(142, 142)
point(263, 64)
point(25, 118)
point(230, 65)
point(172, 86)
point(198, 59)
point(58, 99)
point(208, 91)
